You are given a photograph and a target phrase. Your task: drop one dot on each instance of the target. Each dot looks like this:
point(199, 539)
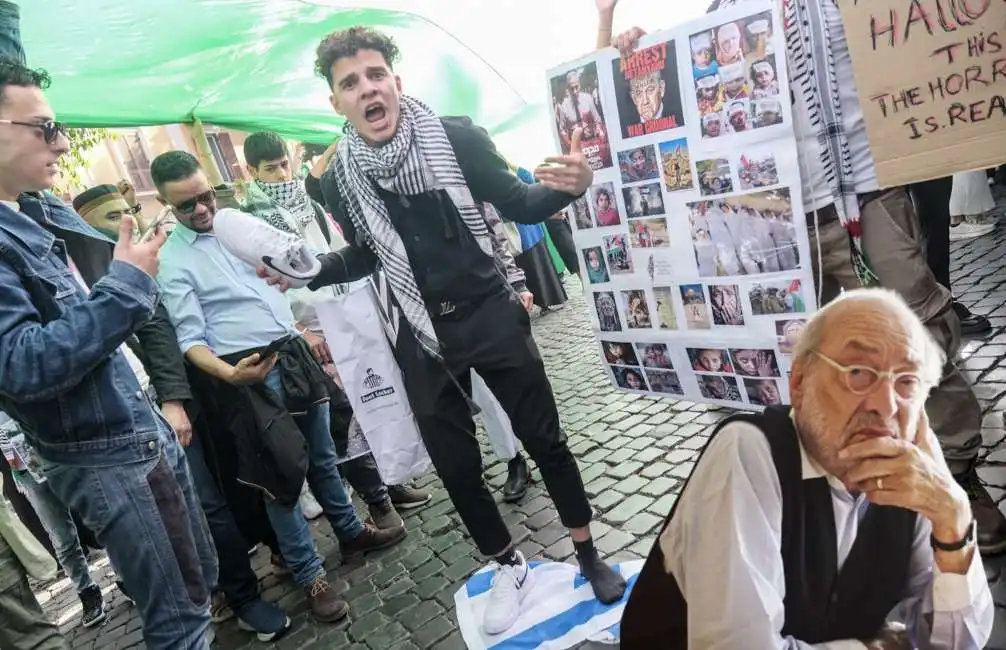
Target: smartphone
point(158, 222)
point(273, 347)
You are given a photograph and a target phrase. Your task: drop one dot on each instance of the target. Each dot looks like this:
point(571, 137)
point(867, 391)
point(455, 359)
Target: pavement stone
point(634, 452)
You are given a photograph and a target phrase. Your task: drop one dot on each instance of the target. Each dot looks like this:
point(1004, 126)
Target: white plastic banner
point(494, 419)
point(373, 381)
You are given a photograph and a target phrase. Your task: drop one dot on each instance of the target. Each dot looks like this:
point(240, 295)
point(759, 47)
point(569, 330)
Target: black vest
point(822, 604)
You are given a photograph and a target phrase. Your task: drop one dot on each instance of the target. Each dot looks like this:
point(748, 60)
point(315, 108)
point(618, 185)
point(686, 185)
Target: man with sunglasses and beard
point(408, 188)
point(224, 315)
point(106, 451)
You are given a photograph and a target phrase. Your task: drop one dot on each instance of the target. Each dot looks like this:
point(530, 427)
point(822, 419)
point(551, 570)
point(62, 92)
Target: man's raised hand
point(569, 173)
point(144, 254)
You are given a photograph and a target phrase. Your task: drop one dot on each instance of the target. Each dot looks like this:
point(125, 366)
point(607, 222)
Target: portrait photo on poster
point(639, 164)
point(629, 378)
point(677, 165)
point(714, 177)
point(718, 387)
point(746, 234)
point(616, 251)
point(710, 360)
point(763, 392)
point(607, 311)
point(726, 304)
point(649, 233)
point(580, 214)
point(664, 297)
point(777, 297)
point(576, 101)
point(664, 381)
point(787, 333)
point(755, 363)
point(618, 353)
point(696, 308)
point(757, 170)
point(655, 355)
point(637, 312)
point(602, 199)
point(647, 91)
point(643, 200)
point(597, 270)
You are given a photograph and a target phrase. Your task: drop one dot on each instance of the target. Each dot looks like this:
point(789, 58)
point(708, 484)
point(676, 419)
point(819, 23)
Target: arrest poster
point(696, 257)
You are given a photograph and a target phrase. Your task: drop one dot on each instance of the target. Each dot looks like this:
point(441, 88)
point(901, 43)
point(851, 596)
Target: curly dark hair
point(15, 73)
point(339, 45)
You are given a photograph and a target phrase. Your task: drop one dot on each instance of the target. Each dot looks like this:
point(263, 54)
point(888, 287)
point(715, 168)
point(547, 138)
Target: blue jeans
point(147, 516)
point(58, 524)
point(291, 528)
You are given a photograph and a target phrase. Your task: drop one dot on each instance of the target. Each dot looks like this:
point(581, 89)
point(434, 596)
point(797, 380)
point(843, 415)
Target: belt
point(829, 213)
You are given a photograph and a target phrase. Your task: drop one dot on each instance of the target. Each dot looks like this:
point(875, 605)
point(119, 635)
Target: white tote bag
point(373, 382)
point(494, 419)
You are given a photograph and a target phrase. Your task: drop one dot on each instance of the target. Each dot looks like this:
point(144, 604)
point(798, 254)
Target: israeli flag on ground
point(559, 613)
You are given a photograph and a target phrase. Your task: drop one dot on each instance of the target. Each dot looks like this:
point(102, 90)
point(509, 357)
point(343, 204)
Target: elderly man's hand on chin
point(914, 475)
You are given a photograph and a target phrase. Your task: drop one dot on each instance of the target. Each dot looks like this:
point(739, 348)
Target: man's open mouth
point(374, 113)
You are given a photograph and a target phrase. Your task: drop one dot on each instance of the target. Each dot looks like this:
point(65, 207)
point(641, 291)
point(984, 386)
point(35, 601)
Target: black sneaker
point(93, 604)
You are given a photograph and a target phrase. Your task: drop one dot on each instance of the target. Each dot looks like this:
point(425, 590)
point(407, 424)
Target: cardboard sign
point(931, 76)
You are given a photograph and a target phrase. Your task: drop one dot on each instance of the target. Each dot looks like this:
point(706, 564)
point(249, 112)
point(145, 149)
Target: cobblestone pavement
point(634, 454)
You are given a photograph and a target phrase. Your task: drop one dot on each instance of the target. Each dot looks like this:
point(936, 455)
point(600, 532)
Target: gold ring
point(880, 483)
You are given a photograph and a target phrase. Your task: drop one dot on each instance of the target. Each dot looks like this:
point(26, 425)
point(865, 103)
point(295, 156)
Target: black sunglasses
point(50, 129)
point(189, 206)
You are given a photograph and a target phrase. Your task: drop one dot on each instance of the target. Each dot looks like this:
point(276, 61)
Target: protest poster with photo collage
point(696, 253)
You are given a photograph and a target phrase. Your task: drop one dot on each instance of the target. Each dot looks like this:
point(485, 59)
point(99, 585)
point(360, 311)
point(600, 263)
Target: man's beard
point(813, 428)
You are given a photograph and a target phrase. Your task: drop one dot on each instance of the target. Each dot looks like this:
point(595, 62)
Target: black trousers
point(932, 203)
point(493, 337)
point(562, 237)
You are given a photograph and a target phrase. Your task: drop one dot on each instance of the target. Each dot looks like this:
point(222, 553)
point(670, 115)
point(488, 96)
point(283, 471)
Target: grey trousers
point(895, 247)
point(23, 624)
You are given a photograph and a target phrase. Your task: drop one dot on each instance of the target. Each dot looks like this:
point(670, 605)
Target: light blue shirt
point(215, 299)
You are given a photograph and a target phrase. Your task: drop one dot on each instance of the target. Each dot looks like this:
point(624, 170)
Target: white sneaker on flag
point(510, 587)
point(255, 242)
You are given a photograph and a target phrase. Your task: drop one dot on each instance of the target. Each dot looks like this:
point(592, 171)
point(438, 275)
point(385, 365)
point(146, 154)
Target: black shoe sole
point(411, 505)
point(514, 498)
point(95, 622)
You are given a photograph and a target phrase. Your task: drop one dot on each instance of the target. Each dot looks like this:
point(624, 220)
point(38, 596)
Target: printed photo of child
point(710, 360)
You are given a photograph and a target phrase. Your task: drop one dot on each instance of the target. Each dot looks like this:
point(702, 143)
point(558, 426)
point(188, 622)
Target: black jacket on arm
point(445, 258)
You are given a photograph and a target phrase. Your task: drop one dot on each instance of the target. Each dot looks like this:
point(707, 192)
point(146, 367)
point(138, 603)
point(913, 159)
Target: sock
point(509, 558)
point(608, 586)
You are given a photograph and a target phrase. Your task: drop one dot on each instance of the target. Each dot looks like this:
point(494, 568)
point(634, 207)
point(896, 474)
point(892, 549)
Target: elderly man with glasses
point(811, 524)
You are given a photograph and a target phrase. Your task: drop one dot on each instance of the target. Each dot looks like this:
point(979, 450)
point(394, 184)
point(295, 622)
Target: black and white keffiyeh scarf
point(809, 33)
point(284, 205)
point(419, 158)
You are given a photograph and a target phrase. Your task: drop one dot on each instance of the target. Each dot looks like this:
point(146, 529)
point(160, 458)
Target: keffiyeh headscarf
point(809, 34)
point(419, 158)
point(284, 205)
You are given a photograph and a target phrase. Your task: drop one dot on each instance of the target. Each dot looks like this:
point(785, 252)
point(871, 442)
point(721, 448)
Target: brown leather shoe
point(325, 605)
point(991, 522)
point(371, 539)
point(384, 516)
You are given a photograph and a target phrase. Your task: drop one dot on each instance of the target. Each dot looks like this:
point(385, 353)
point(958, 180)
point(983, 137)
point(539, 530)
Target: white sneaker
point(308, 504)
point(255, 242)
point(511, 585)
point(968, 230)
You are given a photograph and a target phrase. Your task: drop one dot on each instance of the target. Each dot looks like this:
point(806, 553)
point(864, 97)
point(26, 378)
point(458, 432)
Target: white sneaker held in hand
point(511, 585)
point(255, 242)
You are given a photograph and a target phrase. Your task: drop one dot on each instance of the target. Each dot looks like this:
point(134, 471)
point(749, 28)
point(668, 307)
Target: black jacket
point(445, 258)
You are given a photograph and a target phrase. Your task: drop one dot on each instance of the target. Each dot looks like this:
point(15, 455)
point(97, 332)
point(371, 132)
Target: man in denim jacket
point(107, 452)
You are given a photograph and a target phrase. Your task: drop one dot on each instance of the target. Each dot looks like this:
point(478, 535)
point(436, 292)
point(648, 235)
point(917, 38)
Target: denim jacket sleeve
point(41, 360)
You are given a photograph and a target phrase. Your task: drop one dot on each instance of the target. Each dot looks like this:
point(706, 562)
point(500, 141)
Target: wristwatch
point(969, 536)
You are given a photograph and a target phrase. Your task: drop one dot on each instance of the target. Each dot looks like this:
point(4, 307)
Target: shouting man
point(408, 189)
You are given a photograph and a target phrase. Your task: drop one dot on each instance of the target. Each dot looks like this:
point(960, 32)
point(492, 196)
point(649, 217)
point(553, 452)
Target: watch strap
point(959, 544)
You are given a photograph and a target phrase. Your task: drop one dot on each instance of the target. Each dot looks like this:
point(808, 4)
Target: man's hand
point(605, 6)
point(143, 255)
point(626, 42)
point(280, 283)
point(319, 348)
point(911, 475)
point(174, 413)
point(251, 370)
point(128, 192)
point(893, 636)
point(569, 173)
point(527, 299)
